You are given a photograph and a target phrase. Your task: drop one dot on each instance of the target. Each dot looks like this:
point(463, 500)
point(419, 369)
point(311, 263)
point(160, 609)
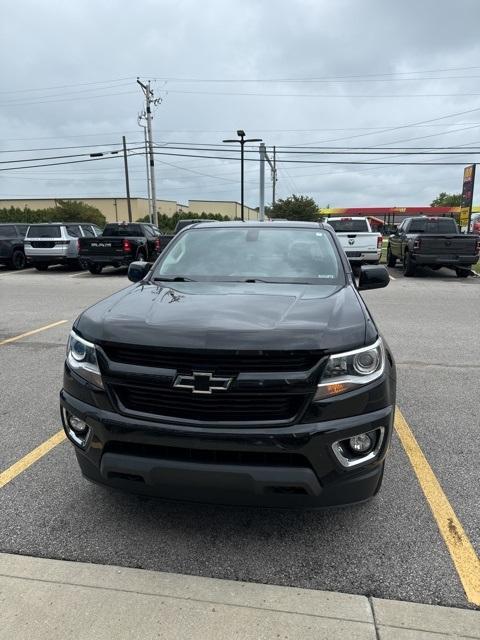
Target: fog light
point(361, 443)
point(77, 430)
point(77, 425)
point(359, 449)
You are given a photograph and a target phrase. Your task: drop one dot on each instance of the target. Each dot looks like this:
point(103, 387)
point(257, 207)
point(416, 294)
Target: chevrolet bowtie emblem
point(201, 382)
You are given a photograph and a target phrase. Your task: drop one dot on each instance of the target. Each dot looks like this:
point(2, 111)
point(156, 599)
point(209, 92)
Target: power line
point(54, 164)
point(319, 95)
point(32, 102)
point(75, 146)
point(77, 135)
point(73, 93)
point(67, 86)
point(319, 79)
point(398, 127)
point(73, 155)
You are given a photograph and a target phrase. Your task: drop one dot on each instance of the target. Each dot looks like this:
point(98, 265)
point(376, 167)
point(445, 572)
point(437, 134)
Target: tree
point(168, 223)
point(447, 200)
point(64, 211)
point(294, 208)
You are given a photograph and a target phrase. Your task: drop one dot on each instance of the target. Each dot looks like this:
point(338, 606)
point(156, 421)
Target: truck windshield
point(123, 230)
point(249, 254)
point(349, 224)
point(442, 225)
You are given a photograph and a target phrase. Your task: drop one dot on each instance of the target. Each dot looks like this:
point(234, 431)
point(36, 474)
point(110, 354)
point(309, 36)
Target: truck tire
point(391, 259)
point(18, 260)
point(462, 273)
point(41, 266)
point(408, 265)
point(95, 269)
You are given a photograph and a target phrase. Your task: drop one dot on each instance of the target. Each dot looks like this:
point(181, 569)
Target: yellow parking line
point(19, 467)
point(30, 333)
point(459, 546)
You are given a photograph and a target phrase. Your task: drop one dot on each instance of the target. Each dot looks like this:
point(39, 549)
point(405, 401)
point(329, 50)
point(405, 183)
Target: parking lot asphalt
point(390, 547)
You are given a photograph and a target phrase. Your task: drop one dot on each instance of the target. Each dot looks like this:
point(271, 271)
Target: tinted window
point(7, 231)
point(22, 229)
point(441, 225)
point(87, 231)
point(274, 254)
point(349, 224)
point(44, 231)
point(123, 230)
point(96, 230)
point(73, 230)
point(149, 232)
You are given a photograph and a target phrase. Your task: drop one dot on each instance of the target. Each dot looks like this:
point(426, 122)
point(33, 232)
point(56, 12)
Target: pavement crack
point(448, 365)
point(375, 623)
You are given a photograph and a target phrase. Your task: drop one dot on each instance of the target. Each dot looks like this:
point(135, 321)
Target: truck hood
point(231, 316)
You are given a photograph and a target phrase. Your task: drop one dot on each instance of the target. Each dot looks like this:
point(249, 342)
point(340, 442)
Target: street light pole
point(127, 181)
point(261, 204)
point(242, 141)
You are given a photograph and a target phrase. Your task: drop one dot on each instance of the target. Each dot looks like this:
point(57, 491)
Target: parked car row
point(82, 245)
point(419, 241)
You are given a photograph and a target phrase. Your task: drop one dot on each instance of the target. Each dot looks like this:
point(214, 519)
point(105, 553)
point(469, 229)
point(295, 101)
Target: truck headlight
point(349, 370)
point(82, 358)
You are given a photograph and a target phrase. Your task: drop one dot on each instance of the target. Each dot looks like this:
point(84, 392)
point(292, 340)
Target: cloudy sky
point(296, 73)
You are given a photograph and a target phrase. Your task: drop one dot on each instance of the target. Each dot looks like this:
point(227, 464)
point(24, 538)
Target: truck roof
point(257, 224)
point(346, 218)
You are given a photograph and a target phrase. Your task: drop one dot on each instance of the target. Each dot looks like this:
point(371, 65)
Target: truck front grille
point(218, 407)
point(215, 361)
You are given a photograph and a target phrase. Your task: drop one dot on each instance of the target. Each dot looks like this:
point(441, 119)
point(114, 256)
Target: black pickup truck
point(11, 245)
point(432, 242)
point(119, 245)
point(242, 367)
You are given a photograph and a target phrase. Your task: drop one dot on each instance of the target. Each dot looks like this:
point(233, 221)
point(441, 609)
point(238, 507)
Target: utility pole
point(274, 175)
point(143, 116)
point(151, 210)
point(261, 208)
point(264, 156)
point(148, 101)
point(127, 182)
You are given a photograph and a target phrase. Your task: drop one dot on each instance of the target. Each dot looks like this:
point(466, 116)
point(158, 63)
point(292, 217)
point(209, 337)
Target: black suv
point(242, 367)
point(12, 251)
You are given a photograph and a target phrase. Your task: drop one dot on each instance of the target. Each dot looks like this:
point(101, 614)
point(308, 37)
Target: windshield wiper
point(173, 279)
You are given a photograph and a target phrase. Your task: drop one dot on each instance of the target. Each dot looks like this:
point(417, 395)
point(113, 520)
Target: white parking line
point(16, 273)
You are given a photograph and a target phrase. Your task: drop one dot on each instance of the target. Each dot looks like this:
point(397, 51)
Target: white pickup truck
point(360, 243)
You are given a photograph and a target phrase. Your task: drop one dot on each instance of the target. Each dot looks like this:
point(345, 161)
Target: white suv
point(56, 243)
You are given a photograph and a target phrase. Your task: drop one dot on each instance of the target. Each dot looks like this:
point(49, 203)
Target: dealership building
point(116, 209)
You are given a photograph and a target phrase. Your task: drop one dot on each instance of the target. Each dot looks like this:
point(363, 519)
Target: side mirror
point(373, 277)
point(138, 270)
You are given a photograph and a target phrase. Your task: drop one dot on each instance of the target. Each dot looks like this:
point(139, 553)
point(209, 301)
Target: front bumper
point(283, 466)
